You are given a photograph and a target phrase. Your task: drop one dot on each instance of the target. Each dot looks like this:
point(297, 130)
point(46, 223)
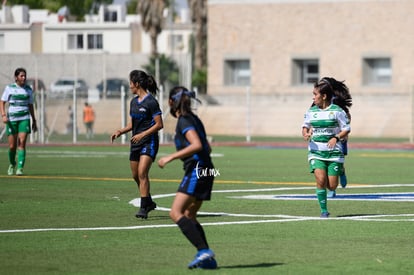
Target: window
point(75, 41)
point(110, 16)
point(376, 71)
point(237, 72)
point(95, 41)
point(305, 71)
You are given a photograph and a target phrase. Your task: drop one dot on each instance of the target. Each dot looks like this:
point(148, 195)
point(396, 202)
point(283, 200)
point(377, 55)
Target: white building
point(51, 45)
point(24, 31)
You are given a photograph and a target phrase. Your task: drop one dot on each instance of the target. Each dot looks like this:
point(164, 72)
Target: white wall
point(17, 41)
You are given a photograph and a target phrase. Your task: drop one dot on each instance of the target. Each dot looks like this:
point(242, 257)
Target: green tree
point(198, 9)
point(77, 8)
point(152, 19)
point(168, 70)
point(33, 4)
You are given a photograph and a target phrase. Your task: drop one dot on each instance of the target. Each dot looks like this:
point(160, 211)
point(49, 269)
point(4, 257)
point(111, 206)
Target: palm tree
point(198, 10)
point(152, 19)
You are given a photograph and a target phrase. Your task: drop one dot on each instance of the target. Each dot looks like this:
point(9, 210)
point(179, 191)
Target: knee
point(175, 216)
point(135, 176)
point(190, 214)
point(142, 177)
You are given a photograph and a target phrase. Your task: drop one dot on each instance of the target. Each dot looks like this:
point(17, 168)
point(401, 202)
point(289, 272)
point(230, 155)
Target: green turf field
point(72, 213)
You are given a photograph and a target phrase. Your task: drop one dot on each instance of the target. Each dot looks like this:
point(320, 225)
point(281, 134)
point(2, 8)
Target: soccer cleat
point(202, 256)
point(325, 215)
point(331, 194)
point(208, 264)
point(143, 211)
point(343, 180)
point(10, 171)
point(19, 172)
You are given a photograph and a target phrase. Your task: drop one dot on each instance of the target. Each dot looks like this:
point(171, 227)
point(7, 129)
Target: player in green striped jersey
point(324, 126)
point(19, 97)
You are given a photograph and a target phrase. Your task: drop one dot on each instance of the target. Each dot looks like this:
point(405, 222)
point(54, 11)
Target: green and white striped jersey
point(19, 99)
point(325, 124)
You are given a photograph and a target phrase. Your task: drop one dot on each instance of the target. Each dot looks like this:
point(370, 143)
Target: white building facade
point(33, 38)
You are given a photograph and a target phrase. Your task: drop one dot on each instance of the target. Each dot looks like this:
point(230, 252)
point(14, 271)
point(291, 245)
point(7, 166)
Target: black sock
point(201, 230)
point(191, 232)
point(145, 201)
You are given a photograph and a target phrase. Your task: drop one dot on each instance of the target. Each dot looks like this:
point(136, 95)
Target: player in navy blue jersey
point(145, 122)
point(196, 186)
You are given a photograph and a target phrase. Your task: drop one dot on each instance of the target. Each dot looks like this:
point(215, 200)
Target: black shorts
point(198, 182)
point(149, 149)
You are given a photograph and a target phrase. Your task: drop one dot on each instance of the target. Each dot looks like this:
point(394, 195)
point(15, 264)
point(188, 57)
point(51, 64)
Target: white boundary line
point(280, 218)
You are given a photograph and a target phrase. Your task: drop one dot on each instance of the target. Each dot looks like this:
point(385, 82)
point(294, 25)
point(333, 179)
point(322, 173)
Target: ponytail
point(337, 91)
point(152, 85)
point(147, 82)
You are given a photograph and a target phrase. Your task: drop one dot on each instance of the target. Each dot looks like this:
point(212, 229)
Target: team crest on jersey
point(331, 115)
point(142, 109)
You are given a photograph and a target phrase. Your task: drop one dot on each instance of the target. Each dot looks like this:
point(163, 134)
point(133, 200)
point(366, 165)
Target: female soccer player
point(196, 186)
point(19, 96)
point(324, 126)
point(145, 122)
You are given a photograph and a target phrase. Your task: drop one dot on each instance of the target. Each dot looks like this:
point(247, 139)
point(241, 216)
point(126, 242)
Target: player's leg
point(183, 213)
point(319, 169)
point(11, 130)
point(147, 204)
point(21, 153)
point(12, 139)
point(342, 178)
point(334, 171)
point(321, 193)
point(23, 130)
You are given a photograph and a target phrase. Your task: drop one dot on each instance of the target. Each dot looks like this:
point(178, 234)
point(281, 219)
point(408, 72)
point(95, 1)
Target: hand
point(332, 143)
point(115, 135)
point(34, 126)
point(163, 161)
point(307, 136)
point(136, 138)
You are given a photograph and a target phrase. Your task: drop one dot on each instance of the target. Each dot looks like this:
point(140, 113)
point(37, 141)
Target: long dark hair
point(180, 98)
point(146, 81)
point(336, 91)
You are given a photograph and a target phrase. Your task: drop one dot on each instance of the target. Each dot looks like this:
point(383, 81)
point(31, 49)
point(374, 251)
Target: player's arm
point(3, 111)
point(193, 147)
point(306, 133)
point(122, 131)
point(158, 125)
point(32, 114)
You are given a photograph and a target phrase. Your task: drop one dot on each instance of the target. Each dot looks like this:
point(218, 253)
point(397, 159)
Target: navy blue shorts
point(149, 149)
point(198, 182)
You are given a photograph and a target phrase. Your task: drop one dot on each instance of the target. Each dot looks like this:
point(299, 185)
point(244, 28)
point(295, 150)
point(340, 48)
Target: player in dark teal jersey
point(145, 122)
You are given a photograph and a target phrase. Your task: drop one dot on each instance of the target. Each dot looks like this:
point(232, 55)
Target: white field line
point(280, 218)
point(291, 219)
